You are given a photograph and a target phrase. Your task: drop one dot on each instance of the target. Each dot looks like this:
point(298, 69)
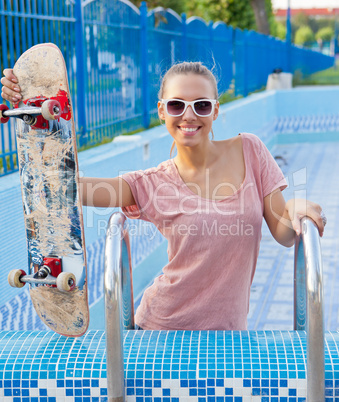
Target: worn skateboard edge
point(53, 314)
point(49, 311)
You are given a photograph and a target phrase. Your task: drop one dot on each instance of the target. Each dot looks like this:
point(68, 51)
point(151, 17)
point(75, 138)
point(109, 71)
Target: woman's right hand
point(10, 90)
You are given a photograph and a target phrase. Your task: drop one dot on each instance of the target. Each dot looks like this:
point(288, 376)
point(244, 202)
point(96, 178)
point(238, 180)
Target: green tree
point(260, 8)
point(264, 17)
point(325, 34)
point(280, 31)
point(304, 34)
point(179, 6)
point(270, 16)
point(237, 13)
point(315, 24)
point(301, 19)
point(326, 22)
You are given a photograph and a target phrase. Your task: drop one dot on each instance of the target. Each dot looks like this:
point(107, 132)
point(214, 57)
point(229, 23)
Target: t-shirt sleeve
point(141, 188)
point(272, 177)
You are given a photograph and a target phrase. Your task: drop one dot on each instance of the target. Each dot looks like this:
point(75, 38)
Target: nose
point(189, 114)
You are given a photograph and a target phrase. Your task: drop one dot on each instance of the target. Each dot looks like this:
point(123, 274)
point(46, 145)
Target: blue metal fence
point(25, 23)
point(116, 54)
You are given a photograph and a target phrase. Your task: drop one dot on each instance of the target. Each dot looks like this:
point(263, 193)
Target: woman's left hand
point(299, 208)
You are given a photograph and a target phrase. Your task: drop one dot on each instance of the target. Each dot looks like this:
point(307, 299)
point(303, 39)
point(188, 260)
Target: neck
point(196, 158)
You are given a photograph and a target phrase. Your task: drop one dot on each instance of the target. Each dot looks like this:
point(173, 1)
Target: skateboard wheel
point(66, 282)
point(3, 108)
point(51, 110)
point(14, 278)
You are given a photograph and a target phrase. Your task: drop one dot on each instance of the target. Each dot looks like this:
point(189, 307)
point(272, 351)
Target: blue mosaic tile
point(253, 346)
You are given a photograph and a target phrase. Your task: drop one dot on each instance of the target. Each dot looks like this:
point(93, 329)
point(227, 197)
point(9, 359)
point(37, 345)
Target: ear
point(216, 111)
point(161, 111)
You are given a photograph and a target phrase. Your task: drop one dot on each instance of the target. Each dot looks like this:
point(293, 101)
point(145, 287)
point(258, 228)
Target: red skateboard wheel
point(51, 110)
point(3, 108)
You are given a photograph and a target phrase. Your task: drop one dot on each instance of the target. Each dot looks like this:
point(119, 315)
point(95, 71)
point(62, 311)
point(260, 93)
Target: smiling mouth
point(189, 130)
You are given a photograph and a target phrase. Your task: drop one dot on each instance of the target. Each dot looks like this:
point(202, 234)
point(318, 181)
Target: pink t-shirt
point(213, 246)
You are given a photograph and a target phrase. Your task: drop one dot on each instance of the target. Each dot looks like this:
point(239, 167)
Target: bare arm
point(10, 89)
point(283, 218)
point(95, 192)
point(105, 193)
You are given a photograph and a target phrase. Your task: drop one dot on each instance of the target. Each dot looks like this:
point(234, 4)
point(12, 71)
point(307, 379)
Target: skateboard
point(48, 168)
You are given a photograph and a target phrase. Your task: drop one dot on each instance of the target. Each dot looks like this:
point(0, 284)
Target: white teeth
point(190, 130)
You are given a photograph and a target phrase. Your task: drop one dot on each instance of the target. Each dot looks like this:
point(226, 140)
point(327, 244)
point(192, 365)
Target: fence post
point(210, 37)
point(288, 39)
point(245, 61)
point(144, 65)
point(80, 72)
point(184, 52)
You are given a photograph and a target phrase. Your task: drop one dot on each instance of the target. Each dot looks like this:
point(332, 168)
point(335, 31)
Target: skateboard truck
point(49, 274)
point(35, 113)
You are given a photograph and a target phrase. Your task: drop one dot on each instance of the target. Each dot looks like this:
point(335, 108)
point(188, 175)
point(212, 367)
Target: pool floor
point(193, 366)
point(312, 170)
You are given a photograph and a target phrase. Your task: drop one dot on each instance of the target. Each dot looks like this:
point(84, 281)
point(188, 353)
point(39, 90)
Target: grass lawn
point(324, 77)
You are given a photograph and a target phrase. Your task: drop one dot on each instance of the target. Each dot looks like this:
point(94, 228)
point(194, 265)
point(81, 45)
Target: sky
point(306, 3)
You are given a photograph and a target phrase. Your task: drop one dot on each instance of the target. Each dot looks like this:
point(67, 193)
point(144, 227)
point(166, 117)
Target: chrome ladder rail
point(119, 304)
point(308, 306)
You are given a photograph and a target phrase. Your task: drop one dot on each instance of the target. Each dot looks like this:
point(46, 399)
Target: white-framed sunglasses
point(201, 107)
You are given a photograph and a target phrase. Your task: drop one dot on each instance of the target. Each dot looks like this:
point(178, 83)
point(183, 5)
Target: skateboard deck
point(48, 167)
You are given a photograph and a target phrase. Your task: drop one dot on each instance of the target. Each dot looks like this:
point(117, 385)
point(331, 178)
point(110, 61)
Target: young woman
point(208, 201)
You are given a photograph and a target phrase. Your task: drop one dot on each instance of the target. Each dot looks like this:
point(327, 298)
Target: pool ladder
point(308, 306)
point(119, 305)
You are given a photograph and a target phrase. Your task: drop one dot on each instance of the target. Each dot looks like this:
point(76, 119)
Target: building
point(317, 13)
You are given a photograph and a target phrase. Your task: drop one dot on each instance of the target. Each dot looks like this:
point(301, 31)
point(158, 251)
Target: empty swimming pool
point(266, 363)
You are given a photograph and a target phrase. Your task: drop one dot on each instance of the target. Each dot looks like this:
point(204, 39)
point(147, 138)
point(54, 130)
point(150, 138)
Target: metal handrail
point(308, 305)
point(119, 305)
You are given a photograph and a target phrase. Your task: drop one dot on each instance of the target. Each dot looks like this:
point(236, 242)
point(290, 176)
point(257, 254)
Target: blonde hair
point(188, 67)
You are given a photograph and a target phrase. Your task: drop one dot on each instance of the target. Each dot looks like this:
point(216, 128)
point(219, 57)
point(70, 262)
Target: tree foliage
point(280, 31)
point(315, 24)
point(304, 34)
point(270, 16)
point(179, 6)
point(325, 34)
point(237, 13)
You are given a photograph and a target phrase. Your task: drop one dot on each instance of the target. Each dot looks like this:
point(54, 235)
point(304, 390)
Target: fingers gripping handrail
point(308, 306)
point(119, 306)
